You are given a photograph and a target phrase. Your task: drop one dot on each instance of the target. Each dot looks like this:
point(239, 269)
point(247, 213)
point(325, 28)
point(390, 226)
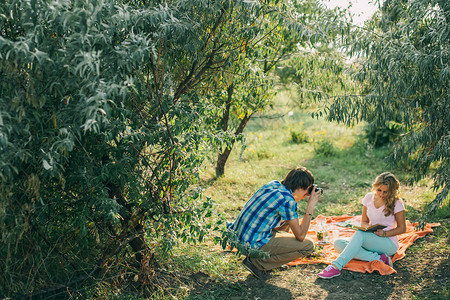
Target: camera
point(310, 189)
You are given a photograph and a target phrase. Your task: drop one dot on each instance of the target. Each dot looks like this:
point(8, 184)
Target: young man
point(259, 222)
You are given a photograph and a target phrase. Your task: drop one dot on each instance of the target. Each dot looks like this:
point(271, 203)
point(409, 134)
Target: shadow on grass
point(354, 285)
point(430, 280)
point(439, 285)
point(425, 268)
point(251, 288)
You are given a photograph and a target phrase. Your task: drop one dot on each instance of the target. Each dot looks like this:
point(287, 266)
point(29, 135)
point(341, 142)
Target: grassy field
point(344, 165)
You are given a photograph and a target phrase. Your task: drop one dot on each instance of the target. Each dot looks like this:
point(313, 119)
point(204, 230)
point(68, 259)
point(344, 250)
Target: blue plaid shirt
point(271, 204)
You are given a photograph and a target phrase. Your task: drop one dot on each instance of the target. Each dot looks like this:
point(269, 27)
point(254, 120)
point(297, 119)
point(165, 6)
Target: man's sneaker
point(386, 259)
point(329, 272)
point(283, 268)
point(251, 267)
point(280, 268)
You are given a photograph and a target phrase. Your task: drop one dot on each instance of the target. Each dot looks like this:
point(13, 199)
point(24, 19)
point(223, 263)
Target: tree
point(406, 78)
point(286, 28)
point(101, 133)
point(248, 91)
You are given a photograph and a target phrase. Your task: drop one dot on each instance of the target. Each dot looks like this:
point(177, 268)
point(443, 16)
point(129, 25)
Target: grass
point(345, 171)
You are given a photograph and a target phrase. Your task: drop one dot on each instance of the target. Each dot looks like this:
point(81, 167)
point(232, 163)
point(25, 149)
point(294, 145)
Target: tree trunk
point(221, 161)
point(137, 243)
point(223, 157)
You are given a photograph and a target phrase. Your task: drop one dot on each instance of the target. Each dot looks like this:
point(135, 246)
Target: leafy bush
point(230, 240)
point(299, 137)
point(324, 147)
point(382, 135)
point(101, 133)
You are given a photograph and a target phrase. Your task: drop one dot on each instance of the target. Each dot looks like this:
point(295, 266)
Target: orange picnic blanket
point(328, 254)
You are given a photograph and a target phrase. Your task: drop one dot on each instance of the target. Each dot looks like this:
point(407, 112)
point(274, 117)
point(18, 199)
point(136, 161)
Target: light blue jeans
point(363, 245)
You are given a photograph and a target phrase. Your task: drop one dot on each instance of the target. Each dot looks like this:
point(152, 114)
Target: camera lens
point(316, 190)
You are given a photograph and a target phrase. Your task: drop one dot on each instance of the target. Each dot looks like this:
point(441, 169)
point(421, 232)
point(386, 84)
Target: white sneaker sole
point(390, 262)
point(324, 277)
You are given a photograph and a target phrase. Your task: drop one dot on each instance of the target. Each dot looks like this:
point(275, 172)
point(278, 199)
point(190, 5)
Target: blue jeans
point(363, 245)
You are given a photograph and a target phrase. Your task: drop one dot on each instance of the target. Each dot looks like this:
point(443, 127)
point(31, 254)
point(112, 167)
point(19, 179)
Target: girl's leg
point(365, 246)
point(340, 244)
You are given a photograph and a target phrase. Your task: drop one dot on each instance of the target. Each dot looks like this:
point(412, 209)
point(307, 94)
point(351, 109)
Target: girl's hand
point(380, 232)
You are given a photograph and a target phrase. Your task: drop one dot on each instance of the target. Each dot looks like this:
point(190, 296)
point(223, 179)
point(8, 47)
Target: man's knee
point(307, 246)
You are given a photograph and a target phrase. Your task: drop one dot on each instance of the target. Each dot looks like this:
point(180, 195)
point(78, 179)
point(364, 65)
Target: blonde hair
point(393, 184)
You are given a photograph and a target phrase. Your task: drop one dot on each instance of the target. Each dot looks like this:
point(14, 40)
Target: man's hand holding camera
point(314, 191)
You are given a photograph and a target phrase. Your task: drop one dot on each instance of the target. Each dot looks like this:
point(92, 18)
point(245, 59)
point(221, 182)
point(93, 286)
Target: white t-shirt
point(376, 215)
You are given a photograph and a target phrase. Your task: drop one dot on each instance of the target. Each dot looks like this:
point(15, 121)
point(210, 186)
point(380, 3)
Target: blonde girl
point(382, 206)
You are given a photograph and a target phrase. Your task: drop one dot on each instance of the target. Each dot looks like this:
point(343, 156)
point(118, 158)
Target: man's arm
point(300, 230)
point(283, 227)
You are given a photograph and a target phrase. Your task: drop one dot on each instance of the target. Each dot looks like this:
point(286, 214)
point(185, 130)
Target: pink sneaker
point(329, 272)
point(386, 259)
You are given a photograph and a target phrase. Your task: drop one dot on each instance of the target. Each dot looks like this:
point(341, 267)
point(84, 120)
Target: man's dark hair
point(299, 177)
